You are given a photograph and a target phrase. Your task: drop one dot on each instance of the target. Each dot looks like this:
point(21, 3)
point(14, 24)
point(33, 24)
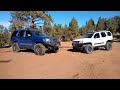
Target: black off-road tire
point(15, 47)
point(88, 48)
point(74, 49)
point(56, 50)
point(39, 49)
point(108, 46)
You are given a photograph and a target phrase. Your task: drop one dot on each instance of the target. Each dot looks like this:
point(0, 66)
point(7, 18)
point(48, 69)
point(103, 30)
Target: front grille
point(76, 42)
point(78, 45)
point(54, 40)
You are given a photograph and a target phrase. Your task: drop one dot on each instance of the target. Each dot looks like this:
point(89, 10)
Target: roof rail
point(99, 30)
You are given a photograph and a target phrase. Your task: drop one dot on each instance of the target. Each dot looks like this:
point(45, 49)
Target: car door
point(103, 38)
point(97, 41)
point(28, 40)
point(21, 39)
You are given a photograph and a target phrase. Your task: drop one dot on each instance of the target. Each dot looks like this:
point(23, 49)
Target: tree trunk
point(33, 22)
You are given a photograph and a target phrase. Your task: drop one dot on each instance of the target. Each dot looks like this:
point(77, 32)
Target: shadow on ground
point(100, 48)
point(5, 46)
point(95, 49)
point(116, 38)
point(78, 51)
point(32, 51)
point(27, 51)
point(5, 61)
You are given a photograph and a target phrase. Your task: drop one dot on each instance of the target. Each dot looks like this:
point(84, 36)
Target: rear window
point(109, 34)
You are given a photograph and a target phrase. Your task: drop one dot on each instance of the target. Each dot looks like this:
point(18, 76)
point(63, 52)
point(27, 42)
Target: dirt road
point(65, 64)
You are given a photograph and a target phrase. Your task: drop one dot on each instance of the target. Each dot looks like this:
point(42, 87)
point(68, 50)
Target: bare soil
point(65, 64)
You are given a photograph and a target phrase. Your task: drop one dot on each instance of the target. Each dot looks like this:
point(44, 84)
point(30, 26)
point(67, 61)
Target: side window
point(14, 33)
point(21, 34)
point(103, 34)
point(108, 33)
point(97, 35)
point(28, 34)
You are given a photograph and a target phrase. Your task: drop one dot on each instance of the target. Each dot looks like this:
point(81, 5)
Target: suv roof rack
point(27, 29)
point(99, 30)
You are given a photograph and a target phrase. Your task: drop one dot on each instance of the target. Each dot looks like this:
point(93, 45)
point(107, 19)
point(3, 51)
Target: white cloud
point(5, 24)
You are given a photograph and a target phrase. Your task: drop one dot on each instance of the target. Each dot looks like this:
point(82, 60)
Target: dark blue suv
point(33, 39)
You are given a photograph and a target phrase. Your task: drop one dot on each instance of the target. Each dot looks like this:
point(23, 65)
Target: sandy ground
point(65, 64)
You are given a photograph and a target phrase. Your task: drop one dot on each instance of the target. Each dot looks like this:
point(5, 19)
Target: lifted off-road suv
point(91, 40)
point(34, 39)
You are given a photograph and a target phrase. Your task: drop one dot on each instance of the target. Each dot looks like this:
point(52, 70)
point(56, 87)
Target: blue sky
point(64, 17)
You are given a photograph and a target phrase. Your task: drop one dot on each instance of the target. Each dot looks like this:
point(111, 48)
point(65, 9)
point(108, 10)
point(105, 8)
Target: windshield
point(88, 35)
point(38, 33)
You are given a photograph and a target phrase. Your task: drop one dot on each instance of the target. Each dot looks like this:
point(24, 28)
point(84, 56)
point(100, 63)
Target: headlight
point(47, 40)
point(80, 41)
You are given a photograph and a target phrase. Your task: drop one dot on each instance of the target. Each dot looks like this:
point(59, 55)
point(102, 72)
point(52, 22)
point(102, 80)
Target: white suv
point(91, 40)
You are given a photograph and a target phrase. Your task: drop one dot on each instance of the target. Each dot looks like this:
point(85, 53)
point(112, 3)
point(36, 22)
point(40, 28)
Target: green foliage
point(4, 36)
point(65, 33)
point(31, 19)
point(2, 42)
point(28, 19)
point(48, 30)
point(2, 28)
point(58, 30)
point(83, 30)
point(90, 25)
point(101, 24)
point(73, 28)
point(113, 24)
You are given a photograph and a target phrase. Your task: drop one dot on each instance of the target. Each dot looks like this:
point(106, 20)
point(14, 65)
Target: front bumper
point(52, 46)
point(78, 46)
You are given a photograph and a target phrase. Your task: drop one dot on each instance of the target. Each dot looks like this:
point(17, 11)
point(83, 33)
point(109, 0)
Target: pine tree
point(58, 30)
point(101, 24)
point(65, 33)
point(83, 30)
point(113, 24)
point(73, 28)
point(90, 25)
point(4, 35)
point(29, 19)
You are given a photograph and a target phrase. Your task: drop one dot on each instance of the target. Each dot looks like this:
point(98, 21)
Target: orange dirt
point(65, 64)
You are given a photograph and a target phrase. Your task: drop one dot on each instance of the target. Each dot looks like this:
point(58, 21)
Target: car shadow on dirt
point(5, 61)
point(71, 50)
point(95, 49)
point(100, 48)
point(5, 46)
point(32, 51)
point(27, 51)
